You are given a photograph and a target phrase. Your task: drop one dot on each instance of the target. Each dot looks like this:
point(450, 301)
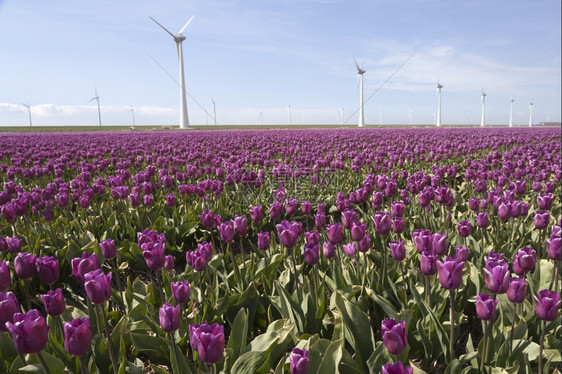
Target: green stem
point(83, 368)
point(114, 265)
point(452, 331)
point(484, 347)
point(235, 266)
point(109, 342)
point(512, 328)
point(405, 286)
point(174, 353)
point(297, 289)
point(427, 291)
point(541, 347)
point(26, 286)
point(43, 362)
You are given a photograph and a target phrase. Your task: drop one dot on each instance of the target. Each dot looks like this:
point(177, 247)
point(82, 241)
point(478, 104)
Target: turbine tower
point(132, 110)
point(28, 112)
point(439, 87)
point(511, 100)
point(360, 73)
point(97, 98)
point(483, 108)
point(214, 110)
point(530, 114)
point(179, 38)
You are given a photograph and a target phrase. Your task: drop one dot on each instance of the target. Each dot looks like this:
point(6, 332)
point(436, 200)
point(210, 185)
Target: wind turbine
point(380, 115)
point(97, 98)
point(28, 112)
point(290, 119)
point(214, 110)
point(132, 110)
point(360, 73)
point(483, 108)
point(179, 38)
point(530, 114)
point(341, 112)
point(511, 100)
point(439, 87)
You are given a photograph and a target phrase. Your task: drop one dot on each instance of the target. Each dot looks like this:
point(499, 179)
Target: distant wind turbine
point(97, 98)
point(530, 114)
point(28, 112)
point(483, 108)
point(214, 110)
point(179, 38)
point(439, 87)
point(290, 119)
point(360, 73)
point(511, 100)
point(341, 112)
point(380, 112)
point(132, 110)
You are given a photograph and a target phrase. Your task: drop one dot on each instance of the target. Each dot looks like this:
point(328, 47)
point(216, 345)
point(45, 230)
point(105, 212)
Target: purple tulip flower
point(208, 341)
point(5, 278)
point(428, 263)
point(482, 220)
point(383, 222)
point(328, 249)
point(450, 273)
point(169, 317)
point(311, 254)
point(439, 243)
point(97, 286)
point(335, 233)
point(496, 276)
point(465, 228)
point(29, 331)
point(108, 248)
point(83, 265)
point(396, 368)
point(547, 304)
point(24, 265)
point(77, 336)
point(8, 307)
point(298, 361)
point(486, 306)
point(524, 261)
point(350, 249)
point(181, 291)
point(288, 233)
point(541, 219)
point(256, 213)
point(226, 230)
point(517, 290)
point(54, 302)
point(397, 250)
point(264, 241)
point(394, 335)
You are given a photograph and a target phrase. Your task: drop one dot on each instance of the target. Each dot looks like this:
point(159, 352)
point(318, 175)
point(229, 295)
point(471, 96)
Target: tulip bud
point(486, 306)
point(439, 243)
point(264, 241)
point(350, 249)
point(169, 317)
point(465, 228)
point(208, 341)
point(328, 249)
point(547, 305)
point(24, 265)
point(365, 243)
point(77, 336)
point(226, 230)
point(516, 290)
point(83, 265)
point(450, 273)
point(108, 248)
point(5, 278)
point(394, 335)
point(541, 219)
point(524, 261)
point(181, 291)
point(54, 302)
point(428, 264)
point(13, 244)
point(288, 233)
point(29, 331)
point(169, 262)
point(397, 250)
point(482, 220)
point(97, 286)
point(396, 368)
point(382, 222)
point(334, 232)
point(298, 361)
point(8, 307)
point(311, 255)
point(496, 277)
point(256, 213)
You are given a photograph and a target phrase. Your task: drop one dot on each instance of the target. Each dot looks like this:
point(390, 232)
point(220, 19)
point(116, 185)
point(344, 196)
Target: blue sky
point(261, 56)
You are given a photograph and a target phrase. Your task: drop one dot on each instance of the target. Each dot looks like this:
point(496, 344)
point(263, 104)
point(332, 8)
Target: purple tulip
point(320, 220)
point(275, 210)
point(181, 291)
point(154, 255)
point(226, 230)
point(47, 269)
point(208, 341)
point(9, 212)
point(77, 336)
point(397, 209)
point(382, 222)
point(547, 305)
point(24, 265)
point(240, 225)
point(169, 262)
point(83, 265)
point(306, 208)
point(541, 219)
point(348, 216)
point(486, 306)
point(298, 361)
point(206, 250)
point(288, 233)
point(396, 368)
point(350, 249)
point(170, 200)
point(311, 255)
point(496, 276)
point(524, 261)
point(264, 241)
point(544, 201)
point(312, 237)
point(97, 286)
point(364, 244)
point(108, 248)
point(54, 302)
point(8, 307)
point(13, 244)
point(358, 230)
point(29, 331)
point(398, 225)
point(209, 220)
point(394, 335)
point(553, 248)
point(439, 243)
point(465, 228)
point(517, 290)
point(422, 240)
point(450, 273)
point(256, 213)
point(461, 253)
point(482, 220)
point(197, 260)
point(328, 249)
point(5, 278)
point(397, 250)
point(169, 317)
point(474, 204)
point(504, 211)
point(335, 233)
point(428, 263)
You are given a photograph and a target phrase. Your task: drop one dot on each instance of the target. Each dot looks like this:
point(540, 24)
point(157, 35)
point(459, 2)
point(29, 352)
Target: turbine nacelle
point(360, 70)
point(179, 37)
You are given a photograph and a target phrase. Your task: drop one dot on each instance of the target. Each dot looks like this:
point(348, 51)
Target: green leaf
point(237, 338)
point(360, 335)
point(378, 358)
point(155, 347)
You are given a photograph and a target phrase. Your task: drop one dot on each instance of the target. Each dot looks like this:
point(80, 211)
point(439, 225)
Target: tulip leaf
point(154, 347)
point(237, 339)
point(378, 358)
point(356, 322)
point(8, 351)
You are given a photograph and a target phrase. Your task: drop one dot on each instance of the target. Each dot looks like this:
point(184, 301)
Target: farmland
point(304, 250)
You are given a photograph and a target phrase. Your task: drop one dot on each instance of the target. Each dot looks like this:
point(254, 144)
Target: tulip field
point(281, 251)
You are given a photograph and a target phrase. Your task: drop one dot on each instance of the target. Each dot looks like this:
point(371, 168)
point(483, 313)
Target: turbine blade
point(188, 22)
point(165, 29)
point(93, 98)
point(356, 64)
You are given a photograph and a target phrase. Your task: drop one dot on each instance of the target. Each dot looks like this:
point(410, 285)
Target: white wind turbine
point(97, 98)
point(530, 114)
point(28, 112)
point(439, 87)
point(483, 108)
point(511, 100)
point(179, 38)
point(132, 110)
point(360, 73)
